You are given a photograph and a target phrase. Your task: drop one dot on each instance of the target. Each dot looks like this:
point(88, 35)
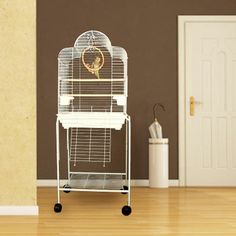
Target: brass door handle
point(192, 105)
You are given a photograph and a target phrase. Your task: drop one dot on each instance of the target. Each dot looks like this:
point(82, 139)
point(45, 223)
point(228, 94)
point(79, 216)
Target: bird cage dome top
point(93, 38)
point(90, 39)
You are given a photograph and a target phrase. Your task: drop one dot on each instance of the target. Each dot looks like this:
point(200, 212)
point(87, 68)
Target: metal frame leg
point(126, 152)
point(129, 160)
point(68, 153)
point(58, 160)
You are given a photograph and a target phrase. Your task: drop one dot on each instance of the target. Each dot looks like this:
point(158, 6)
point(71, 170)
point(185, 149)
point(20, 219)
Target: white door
point(210, 79)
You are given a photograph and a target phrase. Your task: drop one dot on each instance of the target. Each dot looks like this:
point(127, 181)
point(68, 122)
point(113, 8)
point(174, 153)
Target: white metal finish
point(58, 160)
point(112, 120)
point(92, 97)
point(90, 145)
point(207, 65)
point(97, 173)
point(95, 190)
point(129, 159)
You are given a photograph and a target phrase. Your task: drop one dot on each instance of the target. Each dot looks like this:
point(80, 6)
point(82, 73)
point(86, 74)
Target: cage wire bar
point(92, 101)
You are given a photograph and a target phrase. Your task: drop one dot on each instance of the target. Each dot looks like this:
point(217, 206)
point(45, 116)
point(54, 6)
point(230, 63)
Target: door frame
point(182, 20)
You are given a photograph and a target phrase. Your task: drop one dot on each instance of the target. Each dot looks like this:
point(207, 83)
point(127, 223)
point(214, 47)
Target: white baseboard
point(140, 182)
point(19, 210)
point(134, 182)
point(173, 182)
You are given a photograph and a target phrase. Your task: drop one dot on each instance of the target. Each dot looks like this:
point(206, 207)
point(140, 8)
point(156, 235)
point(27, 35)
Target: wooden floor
point(173, 211)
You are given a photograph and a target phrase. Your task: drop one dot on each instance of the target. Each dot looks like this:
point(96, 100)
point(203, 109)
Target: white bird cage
point(92, 100)
point(92, 83)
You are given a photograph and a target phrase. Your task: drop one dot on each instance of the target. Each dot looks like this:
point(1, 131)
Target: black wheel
point(57, 207)
point(125, 188)
point(126, 210)
point(66, 186)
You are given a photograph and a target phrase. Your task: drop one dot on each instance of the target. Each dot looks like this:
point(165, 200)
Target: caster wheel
point(126, 210)
point(125, 188)
point(66, 186)
point(57, 207)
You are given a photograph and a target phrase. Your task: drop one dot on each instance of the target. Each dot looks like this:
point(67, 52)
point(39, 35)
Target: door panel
point(207, 143)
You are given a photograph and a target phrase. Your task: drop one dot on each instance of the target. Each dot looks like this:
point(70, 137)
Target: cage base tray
point(113, 120)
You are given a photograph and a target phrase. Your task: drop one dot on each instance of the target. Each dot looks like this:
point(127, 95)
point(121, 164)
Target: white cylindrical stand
point(158, 163)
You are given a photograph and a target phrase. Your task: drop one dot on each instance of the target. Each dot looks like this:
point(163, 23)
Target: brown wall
point(147, 29)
